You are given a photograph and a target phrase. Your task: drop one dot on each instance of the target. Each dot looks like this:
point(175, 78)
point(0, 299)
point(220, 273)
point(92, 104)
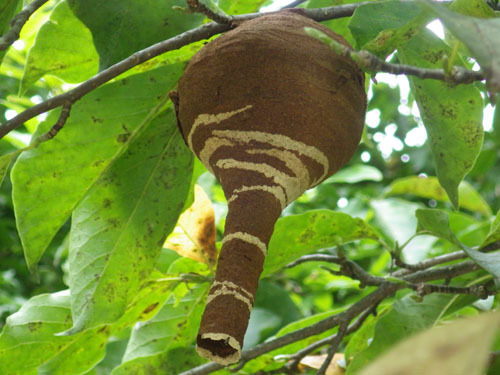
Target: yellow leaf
point(315, 362)
point(194, 234)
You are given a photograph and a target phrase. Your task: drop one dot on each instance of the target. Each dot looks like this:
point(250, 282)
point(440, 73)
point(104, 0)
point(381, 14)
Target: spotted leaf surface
point(119, 227)
point(49, 181)
point(452, 115)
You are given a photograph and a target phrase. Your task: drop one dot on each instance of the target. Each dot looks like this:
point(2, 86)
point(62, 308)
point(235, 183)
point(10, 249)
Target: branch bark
point(200, 33)
point(18, 22)
point(360, 308)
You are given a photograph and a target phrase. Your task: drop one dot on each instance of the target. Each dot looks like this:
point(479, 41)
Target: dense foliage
point(89, 281)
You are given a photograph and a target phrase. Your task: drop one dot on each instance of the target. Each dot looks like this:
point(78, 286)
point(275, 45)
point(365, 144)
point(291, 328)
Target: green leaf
point(49, 181)
point(466, 342)
point(404, 319)
point(396, 218)
point(233, 7)
point(5, 161)
point(28, 340)
point(63, 48)
point(361, 339)
point(356, 173)
point(119, 228)
point(452, 115)
point(382, 26)
point(474, 8)
point(479, 35)
point(121, 27)
point(267, 360)
point(8, 9)
point(163, 344)
point(429, 187)
point(297, 235)
point(273, 308)
point(494, 234)
point(437, 223)
point(148, 300)
point(339, 25)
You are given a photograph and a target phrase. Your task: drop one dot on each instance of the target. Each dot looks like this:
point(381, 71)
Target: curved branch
point(200, 33)
point(18, 22)
point(216, 16)
point(369, 303)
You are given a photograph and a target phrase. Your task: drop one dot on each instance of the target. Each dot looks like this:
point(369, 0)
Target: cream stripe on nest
point(230, 288)
point(248, 238)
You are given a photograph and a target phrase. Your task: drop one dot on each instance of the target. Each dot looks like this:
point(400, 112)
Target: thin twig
point(216, 16)
point(368, 302)
point(333, 347)
point(314, 258)
point(56, 127)
point(369, 62)
point(194, 35)
point(294, 4)
point(291, 367)
point(365, 303)
point(18, 22)
point(200, 33)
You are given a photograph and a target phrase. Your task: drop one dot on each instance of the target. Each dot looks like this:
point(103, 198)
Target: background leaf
point(119, 227)
point(5, 161)
point(118, 26)
point(164, 343)
point(452, 115)
point(233, 7)
point(494, 234)
point(28, 340)
point(383, 26)
point(466, 343)
point(429, 187)
point(355, 173)
point(479, 35)
point(63, 48)
point(396, 219)
point(45, 189)
point(437, 223)
point(406, 317)
point(298, 235)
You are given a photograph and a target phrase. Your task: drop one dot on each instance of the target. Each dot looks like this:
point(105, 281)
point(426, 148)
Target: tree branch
point(368, 303)
point(18, 22)
point(334, 344)
point(294, 4)
point(200, 33)
point(217, 16)
point(371, 63)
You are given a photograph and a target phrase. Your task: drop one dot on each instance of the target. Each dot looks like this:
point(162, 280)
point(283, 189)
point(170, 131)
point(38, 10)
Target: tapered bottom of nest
point(218, 347)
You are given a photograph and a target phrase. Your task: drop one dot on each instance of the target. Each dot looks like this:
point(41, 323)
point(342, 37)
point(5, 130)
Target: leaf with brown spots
point(452, 115)
point(118, 229)
point(80, 154)
point(480, 35)
point(174, 328)
point(297, 235)
point(194, 235)
point(30, 335)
